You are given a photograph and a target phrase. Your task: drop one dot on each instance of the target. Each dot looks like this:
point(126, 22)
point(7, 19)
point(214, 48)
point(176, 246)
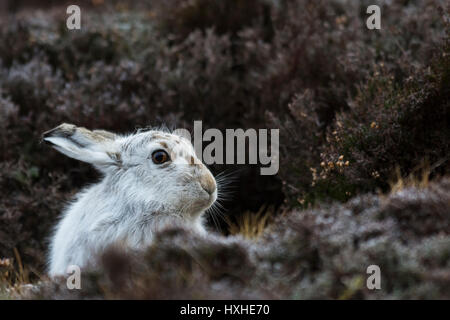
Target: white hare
point(150, 178)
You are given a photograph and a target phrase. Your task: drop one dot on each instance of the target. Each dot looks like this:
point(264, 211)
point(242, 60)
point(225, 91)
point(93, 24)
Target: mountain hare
point(149, 179)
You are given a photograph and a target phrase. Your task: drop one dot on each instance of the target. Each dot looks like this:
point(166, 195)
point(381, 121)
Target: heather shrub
point(309, 254)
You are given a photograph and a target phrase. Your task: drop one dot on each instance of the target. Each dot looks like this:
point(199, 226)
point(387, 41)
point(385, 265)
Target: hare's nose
point(208, 183)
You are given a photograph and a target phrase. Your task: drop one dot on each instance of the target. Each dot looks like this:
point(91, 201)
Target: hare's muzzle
point(208, 182)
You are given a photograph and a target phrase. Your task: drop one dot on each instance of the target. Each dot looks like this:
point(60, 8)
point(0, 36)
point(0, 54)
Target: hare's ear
point(97, 147)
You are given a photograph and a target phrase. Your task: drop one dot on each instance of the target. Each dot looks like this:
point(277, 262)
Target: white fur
point(134, 198)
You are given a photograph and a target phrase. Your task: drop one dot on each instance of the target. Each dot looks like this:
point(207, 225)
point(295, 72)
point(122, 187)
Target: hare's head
point(151, 167)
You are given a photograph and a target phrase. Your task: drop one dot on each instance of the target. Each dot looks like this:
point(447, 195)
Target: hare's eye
point(159, 157)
